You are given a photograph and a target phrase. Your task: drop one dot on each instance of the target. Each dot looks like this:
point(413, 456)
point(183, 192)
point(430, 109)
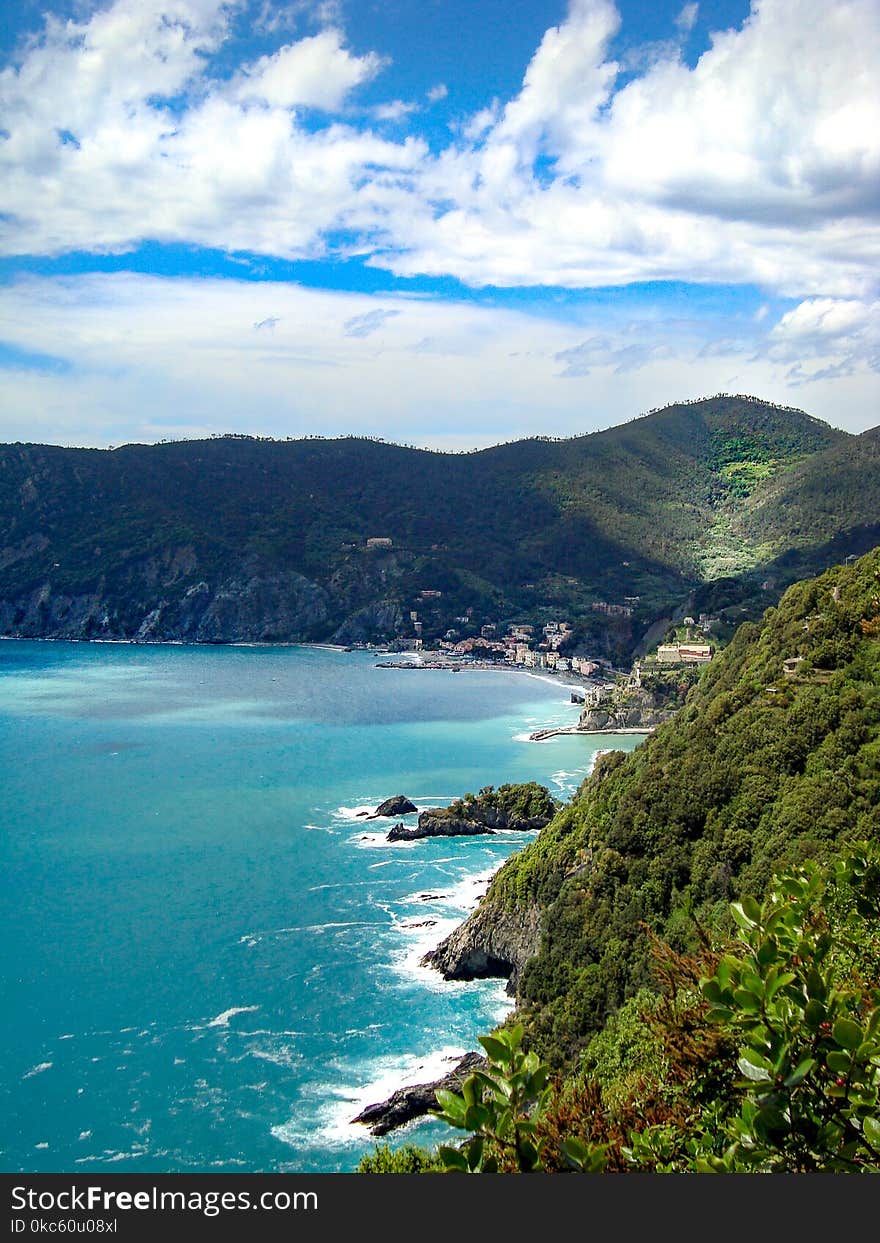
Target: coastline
point(541, 735)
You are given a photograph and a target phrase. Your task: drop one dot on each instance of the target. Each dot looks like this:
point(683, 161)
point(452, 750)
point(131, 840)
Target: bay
point(209, 960)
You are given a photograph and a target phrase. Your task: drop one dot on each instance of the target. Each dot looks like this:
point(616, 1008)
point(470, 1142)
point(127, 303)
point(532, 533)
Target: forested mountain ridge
point(240, 538)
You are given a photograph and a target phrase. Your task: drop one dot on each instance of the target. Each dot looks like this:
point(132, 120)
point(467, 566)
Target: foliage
point(501, 1107)
point(521, 801)
point(809, 1033)
point(406, 1160)
point(761, 1057)
point(759, 769)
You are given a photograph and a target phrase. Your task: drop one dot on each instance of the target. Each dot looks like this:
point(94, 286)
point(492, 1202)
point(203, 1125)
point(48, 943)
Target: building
point(612, 610)
point(379, 541)
point(684, 653)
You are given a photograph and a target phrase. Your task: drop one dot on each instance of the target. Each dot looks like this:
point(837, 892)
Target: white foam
point(222, 1020)
point(379, 841)
point(355, 813)
point(37, 1070)
point(111, 1157)
point(332, 1124)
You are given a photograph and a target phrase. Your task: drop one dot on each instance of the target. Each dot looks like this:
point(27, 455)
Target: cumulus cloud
point(160, 150)
point(760, 164)
point(316, 72)
point(825, 338)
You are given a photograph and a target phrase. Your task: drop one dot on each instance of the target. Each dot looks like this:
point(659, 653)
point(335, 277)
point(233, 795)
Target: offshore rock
point(488, 813)
point(436, 823)
point(419, 1099)
point(398, 805)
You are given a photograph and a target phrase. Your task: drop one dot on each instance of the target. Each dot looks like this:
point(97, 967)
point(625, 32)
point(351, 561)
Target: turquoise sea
point(208, 961)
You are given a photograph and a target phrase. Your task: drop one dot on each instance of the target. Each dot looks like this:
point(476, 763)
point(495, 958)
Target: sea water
point(209, 960)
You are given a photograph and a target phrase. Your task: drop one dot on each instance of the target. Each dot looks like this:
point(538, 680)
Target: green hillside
point(762, 767)
point(695, 939)
point(240, 538)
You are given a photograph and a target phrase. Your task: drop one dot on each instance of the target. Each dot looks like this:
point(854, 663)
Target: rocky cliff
point(495, 940)
point(642, 707)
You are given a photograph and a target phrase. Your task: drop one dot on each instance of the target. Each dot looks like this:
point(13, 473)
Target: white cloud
point(229, 168)
point(396, 110)
point(279, 359)
point(316, 72)
point(272, 17)
point(687, 18)
point(761, 164)
point(826, 338)
point(438, 92)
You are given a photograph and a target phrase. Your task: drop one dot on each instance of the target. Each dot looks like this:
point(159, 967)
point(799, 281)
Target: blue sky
point(445, 222)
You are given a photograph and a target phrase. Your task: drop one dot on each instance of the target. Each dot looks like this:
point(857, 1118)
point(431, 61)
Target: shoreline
point(541, 735)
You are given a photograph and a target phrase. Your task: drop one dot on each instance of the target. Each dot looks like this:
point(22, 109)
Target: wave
point(222, 1019)
point(378, 841)
point(358, 812)
point(326, 1114)
point(39, 1069)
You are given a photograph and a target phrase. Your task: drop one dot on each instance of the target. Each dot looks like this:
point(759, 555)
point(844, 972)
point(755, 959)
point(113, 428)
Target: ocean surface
point(208, 960)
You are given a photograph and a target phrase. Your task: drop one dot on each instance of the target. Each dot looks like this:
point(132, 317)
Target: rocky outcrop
point(512, 808)
point(419, 1099)
point(436, 822)
point(397, 805)
point(630, 717)
point(494, 940)
point(632, 708)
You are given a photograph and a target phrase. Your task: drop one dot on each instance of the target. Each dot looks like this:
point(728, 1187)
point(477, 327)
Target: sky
point(446, 223)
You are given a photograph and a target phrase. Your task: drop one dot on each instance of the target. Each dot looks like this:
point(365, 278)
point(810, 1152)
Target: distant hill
point(237, 538)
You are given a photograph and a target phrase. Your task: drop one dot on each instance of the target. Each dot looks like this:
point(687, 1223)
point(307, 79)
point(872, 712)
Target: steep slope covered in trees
point(775, 758)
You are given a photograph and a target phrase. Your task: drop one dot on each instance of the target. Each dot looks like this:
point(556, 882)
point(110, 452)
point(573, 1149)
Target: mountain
point(774, 759)
point(237, 538)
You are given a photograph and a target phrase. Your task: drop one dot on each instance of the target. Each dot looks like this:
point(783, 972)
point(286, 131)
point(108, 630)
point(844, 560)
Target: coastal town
point(612, 699)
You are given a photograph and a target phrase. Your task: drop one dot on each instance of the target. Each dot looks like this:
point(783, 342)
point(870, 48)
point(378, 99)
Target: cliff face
point(633, 708)
point(495, 940)
point(630, 716)
point(245, 608)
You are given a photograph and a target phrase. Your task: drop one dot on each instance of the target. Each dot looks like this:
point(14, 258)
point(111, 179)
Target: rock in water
point(399, 805)
point(436, 822)
point(412, 1102)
